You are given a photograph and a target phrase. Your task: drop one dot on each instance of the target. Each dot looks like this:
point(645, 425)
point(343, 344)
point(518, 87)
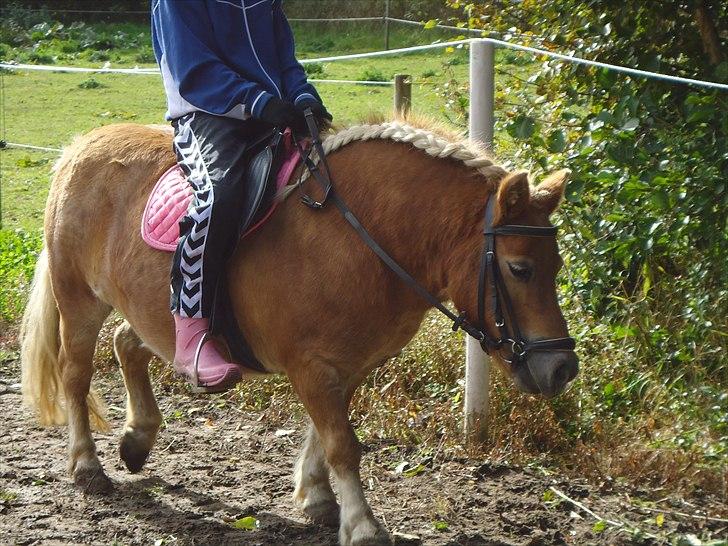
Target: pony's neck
point(426, 212)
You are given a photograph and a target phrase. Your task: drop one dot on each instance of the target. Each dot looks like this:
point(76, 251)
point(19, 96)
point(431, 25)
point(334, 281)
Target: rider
point(230, 73)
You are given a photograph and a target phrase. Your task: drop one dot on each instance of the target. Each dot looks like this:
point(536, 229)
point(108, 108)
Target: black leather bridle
point(490, 272)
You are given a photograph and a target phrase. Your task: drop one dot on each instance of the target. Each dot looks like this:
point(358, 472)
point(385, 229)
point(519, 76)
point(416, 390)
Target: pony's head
point(527, 267)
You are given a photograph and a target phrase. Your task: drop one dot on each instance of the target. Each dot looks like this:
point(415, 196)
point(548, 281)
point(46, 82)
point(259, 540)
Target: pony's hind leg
point(142, 414)
point(81, 318)
point(313, 489)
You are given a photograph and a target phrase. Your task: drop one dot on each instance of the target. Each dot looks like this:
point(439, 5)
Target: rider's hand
point(282, 114)
point(322, 115)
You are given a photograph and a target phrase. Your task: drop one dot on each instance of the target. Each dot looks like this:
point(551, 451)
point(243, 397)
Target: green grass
point(48, 109)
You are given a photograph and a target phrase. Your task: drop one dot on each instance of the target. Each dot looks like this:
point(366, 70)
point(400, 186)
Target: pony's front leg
point(322, 392)
point(142, 414)
point(313, 490)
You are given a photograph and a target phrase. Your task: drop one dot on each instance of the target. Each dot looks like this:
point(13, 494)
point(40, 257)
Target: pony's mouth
point(524, 381)
point(547, 378)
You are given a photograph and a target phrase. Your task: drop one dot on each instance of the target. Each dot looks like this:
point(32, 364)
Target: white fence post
point(477, 362)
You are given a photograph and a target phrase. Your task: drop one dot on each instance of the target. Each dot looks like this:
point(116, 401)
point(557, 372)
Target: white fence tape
point(29, 147)
point(72, 69)
point(332, 20)
point(356, 82)
point(404, 50)
point(384, 53)
point(616, 68)
point(153, 72)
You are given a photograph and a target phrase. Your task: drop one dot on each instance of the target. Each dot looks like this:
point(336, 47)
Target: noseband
point(489, 269)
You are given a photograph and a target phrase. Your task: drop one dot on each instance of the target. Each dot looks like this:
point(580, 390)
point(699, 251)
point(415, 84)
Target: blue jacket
point(226, 57)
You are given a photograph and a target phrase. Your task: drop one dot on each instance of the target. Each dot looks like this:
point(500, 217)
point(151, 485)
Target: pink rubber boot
point(198, 359)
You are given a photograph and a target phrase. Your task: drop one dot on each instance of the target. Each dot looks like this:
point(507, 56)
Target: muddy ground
point(213, 465)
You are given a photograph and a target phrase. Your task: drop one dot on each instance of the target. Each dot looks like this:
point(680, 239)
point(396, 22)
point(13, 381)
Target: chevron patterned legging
point(210, 151)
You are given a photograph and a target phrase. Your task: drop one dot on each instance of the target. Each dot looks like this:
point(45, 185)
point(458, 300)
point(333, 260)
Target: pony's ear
point(513, 195)
point(548, 194)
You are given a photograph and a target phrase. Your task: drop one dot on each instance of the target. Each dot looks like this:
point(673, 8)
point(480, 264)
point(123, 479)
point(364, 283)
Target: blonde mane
point(432, 138)
point(422, 134)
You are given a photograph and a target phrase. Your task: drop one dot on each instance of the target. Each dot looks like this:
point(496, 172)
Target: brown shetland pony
point(314, 301)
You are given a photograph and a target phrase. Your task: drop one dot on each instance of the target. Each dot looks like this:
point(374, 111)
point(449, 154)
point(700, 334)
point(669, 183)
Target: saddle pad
point(171, 197)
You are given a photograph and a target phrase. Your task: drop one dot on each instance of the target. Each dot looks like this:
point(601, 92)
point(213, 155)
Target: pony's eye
point(520, 271)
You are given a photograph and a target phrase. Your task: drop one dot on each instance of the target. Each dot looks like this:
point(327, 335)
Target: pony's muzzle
point(553, 371)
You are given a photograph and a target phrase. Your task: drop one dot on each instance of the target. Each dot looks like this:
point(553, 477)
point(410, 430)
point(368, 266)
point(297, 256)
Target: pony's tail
point(40, 345)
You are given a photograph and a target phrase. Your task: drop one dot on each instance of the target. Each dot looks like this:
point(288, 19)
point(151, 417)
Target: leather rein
point(500, 300)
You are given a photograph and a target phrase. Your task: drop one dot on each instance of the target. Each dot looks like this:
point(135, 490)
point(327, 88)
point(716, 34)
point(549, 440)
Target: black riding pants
point(210, 150)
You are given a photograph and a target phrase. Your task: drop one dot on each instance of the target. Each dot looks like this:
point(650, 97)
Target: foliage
point(373, 75)
point(645, 225)
point(18, 254)
point(36, 37)
point(90, 83)
point(314, 70)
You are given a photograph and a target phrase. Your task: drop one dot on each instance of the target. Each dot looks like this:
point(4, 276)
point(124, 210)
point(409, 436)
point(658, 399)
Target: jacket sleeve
point(295, 82)
point(184, 33)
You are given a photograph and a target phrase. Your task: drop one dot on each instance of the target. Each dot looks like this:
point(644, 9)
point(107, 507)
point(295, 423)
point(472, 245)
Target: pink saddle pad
point(171, 197)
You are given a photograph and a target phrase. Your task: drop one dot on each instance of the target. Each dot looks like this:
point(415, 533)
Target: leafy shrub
point(145, 55)
point(644, 226)
point(40, 58)
point(90, 83)
point(18, 253)
point(373, 75)
point(314, 69)
point(99, 56)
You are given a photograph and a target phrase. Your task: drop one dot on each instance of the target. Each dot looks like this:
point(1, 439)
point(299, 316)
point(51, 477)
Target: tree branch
point(708, 33)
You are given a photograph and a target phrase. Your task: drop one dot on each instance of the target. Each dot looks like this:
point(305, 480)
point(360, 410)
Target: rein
point(489, 270)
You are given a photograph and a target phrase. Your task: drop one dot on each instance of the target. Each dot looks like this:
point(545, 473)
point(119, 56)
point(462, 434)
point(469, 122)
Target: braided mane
point(422, 133)
point(428, 139)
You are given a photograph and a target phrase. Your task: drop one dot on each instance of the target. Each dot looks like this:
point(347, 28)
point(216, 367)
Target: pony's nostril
point(564, 372)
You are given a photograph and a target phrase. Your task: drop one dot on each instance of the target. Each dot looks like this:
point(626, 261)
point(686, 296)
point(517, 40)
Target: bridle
point(490, 272)
point(499, 298)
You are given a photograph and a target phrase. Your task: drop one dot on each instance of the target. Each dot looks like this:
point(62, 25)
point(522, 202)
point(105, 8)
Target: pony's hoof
point(382, 538)
point(324, 513)
point(133, 454)
point(366, 533)
point(92, 481)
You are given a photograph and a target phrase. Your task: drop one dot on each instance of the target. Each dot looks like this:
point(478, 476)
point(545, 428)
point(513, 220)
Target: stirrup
point(195, 379)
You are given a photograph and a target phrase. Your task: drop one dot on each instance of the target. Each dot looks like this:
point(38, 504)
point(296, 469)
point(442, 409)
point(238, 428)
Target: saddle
point(271, 161)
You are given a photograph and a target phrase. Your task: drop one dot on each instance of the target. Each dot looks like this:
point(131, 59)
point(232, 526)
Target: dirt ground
point(213, 465)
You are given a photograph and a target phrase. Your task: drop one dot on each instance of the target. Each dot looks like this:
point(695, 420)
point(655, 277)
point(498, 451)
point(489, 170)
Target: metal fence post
point(386, 24)
point(477, 362)
point(402, 94)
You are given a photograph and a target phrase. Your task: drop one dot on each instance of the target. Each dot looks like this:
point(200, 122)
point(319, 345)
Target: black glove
point(282, 114)
point(322, 115)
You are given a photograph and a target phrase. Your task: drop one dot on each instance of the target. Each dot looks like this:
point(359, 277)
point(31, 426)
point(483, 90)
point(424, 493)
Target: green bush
point(373, 75)
point(18, 253)
point(90, 83)
point(315, 70)
point(645, 226)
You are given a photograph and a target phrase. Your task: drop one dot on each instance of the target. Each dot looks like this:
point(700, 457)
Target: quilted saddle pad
point(172, 195)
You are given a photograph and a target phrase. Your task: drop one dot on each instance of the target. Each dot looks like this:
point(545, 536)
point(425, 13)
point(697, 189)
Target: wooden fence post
point(386, 24)
point(402, 94)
